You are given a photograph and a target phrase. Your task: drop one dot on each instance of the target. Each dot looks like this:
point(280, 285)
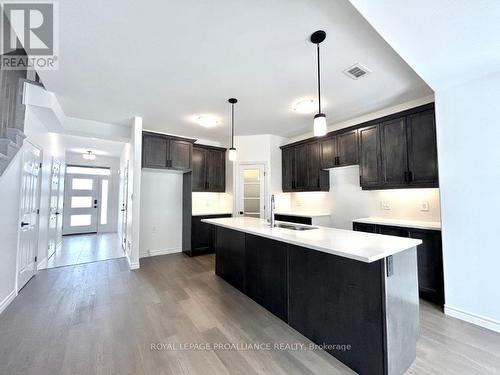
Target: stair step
point(4, 162)
point(15, 135)
point(9, 148)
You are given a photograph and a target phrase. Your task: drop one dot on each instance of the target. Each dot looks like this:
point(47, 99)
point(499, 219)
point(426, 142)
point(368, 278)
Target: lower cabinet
point(429, 257)
point(203, 235)
point(230, 259)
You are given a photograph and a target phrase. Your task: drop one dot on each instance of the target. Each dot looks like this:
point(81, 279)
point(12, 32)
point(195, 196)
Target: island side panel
point(335, 300)
point(230, 257)
point(402, 311)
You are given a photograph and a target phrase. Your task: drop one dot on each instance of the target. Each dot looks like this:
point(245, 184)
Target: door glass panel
point(81, 202)
point(82, 183)
point(251, 175)
point(251, 192)
point(80, 220)
point(104, 202)
point(252, 205)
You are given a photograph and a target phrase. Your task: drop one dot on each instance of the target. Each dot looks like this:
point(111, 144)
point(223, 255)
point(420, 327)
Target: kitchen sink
point(294, 226)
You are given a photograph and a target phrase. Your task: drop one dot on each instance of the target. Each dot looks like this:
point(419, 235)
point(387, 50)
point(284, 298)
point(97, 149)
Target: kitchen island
point(353, 293)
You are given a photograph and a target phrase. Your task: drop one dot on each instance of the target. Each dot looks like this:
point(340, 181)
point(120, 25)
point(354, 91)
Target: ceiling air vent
point(356, 71)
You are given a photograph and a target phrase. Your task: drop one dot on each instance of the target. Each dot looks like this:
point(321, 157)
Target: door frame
point(19, 215)
point(237, 184)
point(60, 203)
point(124, 208)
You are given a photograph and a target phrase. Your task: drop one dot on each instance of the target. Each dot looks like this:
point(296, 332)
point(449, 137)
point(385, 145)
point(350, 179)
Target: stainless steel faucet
point(273, 207)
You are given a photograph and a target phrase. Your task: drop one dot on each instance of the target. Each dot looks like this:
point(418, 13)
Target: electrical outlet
point(385, 204)
point(424, 206)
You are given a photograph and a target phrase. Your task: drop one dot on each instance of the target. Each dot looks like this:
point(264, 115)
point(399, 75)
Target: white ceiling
point(101, 147)
point(169, 60)
point(447, 42)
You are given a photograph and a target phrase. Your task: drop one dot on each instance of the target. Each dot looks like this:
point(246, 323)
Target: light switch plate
point(385, 204)
point(424, 206)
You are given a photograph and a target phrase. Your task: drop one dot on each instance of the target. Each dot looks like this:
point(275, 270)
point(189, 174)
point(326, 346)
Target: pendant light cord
point(232, 125)
point(319, 83)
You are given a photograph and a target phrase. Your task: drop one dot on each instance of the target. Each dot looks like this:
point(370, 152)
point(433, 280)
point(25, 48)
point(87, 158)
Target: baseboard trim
point(469, 317)
point(42, 264)
point(153, 253)
point(132, 265)
point(7, 300)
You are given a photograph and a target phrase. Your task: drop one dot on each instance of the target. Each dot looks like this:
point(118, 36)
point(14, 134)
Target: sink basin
point(294, 226)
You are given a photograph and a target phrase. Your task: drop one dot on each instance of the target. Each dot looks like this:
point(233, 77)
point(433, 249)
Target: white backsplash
point(212, 203)
point(346, 201)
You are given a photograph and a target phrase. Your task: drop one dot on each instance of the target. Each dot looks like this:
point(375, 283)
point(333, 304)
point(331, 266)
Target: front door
point(124, 209)
point(55, 207)
point(29, 205)
point(252, 190)
point(81, 196)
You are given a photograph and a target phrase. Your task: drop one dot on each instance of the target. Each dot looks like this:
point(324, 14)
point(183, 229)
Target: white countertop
point(365, 247)
point(432, 225)
point(303, 214)
point(207, 213)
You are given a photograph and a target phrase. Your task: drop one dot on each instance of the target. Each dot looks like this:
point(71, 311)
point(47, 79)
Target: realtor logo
point(31, 26)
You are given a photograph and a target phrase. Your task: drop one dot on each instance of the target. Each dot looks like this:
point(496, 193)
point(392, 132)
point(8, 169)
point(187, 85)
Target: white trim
point(132, 266)
point(479, 320)
point(7, 300)
point(42, 264)
point(153, 253)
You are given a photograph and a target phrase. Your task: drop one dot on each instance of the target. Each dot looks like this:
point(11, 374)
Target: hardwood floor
point(101, 318)
point(86, 248)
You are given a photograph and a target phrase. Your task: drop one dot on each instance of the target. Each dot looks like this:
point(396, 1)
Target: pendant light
point(88, 155)
point(232, 150)
point(319, 119)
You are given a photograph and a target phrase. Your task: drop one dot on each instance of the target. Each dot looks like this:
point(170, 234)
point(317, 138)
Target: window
point(80, 220)
point(81, 202)
point(82, 183)
point(73, 169)
point(104, 202)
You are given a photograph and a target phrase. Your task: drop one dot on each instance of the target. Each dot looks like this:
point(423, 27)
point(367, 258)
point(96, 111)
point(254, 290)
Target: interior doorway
point(28, 214)
point(56, 201)
point(86, 199)
point(252, 190)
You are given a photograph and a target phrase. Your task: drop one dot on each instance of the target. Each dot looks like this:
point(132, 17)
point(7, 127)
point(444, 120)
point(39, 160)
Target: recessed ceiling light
point(207, 121)
point(88, 155)
point(305, 106)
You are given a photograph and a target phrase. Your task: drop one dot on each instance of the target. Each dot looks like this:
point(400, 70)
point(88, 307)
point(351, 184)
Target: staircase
point(9, 146)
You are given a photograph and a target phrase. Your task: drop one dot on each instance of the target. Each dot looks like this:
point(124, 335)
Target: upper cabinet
point(397, 151)
point(209, 169)
point(339, 150)
point(301, 168)
point(162, 151)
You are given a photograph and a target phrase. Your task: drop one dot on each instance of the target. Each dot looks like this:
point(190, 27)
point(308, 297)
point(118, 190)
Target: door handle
point(58, 213)
point(122, 210)
point(23, 224)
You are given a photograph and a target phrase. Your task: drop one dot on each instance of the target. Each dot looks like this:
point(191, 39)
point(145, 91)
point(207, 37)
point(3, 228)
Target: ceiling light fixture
point(319, 119)
point(207, 121)
point(232, 150)
point(88, 155)
point(305, 106)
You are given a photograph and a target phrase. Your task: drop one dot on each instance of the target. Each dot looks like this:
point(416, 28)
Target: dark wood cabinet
point(369, 156)
point(422, 149)
point(293, 219)
point(340, 150)
point(209, 169)
point(394, 153)
point(266, 274)
point(161, 151)
point(429, 257)
point(230, 260)
point(301, 169)
point(202, 235)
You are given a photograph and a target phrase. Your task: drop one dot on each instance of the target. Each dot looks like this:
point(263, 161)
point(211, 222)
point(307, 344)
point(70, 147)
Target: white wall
point(346, 201)
point(161, 212)
point(113, 203)
point(468, 130)
point(10, 187)
point(134, 201)
point(52, 146)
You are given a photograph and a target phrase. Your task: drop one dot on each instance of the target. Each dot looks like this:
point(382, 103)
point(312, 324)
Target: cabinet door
point(199, 169)
point(266, 274)
point(230, 257)
point(180, 154)
point(287, 169)
point(154, 151)
point(394, 153)
point(362, 227)
point(199, 235)
point(347, 148)
point(328, 150)
point(422, 149)
point(216, 171)
point(301, 167)
point(369, 157)
point(430, 265)
point(313, 166)
point(394, 231)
